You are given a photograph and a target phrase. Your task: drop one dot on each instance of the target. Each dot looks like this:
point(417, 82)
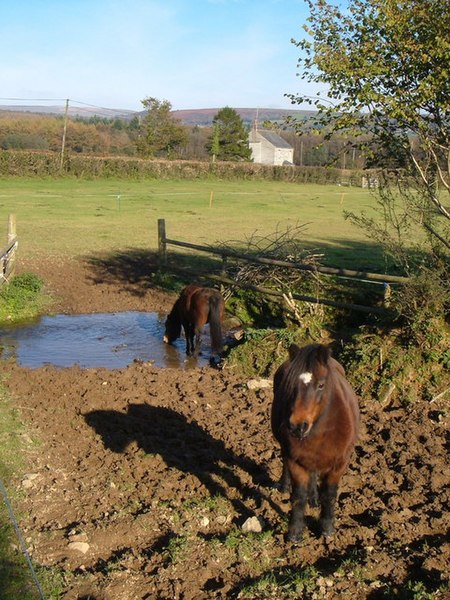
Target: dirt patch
point(140, 479)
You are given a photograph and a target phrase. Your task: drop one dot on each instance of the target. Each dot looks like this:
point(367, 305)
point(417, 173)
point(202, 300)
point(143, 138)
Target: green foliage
point(389, 367)
point(161, 133)
point(251, 307)
point(21, 298)
point(39, 164)
point(385, 65)
point(177, 548)
point(286, 582)
point(422, 305)
point(416, 590)
point(247, 546)
point(386, 68)
point(215, 141)
point(20, 141)
point(230, 137)
point(263, 350)
point(410, 359)
point(166, 281)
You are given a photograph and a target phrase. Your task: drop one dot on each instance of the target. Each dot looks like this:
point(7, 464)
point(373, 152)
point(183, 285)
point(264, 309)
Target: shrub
point(21, 298)
point(43, 164)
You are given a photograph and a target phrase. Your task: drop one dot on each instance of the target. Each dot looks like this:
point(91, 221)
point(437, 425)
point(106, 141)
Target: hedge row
point(43, 164)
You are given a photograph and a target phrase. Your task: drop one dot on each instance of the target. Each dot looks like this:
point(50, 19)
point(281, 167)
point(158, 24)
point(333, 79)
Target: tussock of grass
point(284, 583)
point(22, 299)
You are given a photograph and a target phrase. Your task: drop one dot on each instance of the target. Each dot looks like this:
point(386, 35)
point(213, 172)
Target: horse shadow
point(183, 445)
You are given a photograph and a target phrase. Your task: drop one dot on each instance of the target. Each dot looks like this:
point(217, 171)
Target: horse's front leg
point(299, 498)
point(189, 335)
point(284, 484)
point(313, 491)
point(328, 495)
point(198, 339)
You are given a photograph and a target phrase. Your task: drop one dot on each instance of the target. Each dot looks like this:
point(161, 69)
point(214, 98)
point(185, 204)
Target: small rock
point(82, 547)
point(252, 525)
point(27, 481)
point(223, 519)
point(78, 537)
point(238, 335)
point(258, 384)
point(204, 521)
point(26, 438)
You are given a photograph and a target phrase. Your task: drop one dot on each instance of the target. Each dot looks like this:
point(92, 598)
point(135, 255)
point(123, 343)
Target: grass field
point(77, 217)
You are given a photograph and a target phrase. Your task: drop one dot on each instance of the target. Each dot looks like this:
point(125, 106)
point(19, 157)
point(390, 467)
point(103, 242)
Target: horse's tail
point(215, 322)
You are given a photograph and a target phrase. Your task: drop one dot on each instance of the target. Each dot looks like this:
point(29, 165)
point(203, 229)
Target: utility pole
point(63, 144)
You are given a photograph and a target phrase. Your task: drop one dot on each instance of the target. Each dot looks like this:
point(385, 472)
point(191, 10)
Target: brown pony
point(315, 419)
point(195, 307)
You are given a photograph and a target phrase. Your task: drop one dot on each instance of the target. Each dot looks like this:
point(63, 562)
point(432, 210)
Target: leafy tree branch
point(385, 66)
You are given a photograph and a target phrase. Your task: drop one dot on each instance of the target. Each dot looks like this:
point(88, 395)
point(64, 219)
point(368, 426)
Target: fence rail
point(359, 275)
point(8, 252)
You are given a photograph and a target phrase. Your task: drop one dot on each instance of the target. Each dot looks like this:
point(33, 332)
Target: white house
point(268, 148)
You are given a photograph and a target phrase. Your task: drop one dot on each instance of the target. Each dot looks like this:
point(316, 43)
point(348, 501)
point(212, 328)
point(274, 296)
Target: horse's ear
point(293, 351)
point(323, 354)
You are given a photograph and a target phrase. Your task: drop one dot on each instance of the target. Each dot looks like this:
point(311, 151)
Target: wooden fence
point(8, 252)
point(386, 280)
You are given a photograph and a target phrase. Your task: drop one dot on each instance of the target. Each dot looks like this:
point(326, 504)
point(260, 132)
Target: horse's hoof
point(294, 536)
point(215, 361)
point(328, 530)
point(281, 487)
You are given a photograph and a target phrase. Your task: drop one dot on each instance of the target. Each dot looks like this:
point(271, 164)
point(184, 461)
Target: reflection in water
point(111, 340)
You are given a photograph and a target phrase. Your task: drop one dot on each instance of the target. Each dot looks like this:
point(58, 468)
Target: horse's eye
point(320, 386)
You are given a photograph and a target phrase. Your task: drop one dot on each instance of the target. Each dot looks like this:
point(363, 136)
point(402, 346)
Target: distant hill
point(74, 111)
point(202, 117)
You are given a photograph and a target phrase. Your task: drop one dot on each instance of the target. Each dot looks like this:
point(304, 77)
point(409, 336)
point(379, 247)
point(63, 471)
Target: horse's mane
point(173, 322)
point(174, 314)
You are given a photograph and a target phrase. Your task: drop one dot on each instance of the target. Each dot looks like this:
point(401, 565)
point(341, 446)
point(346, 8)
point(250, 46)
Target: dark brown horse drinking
point(315, 418)
point(195, 307)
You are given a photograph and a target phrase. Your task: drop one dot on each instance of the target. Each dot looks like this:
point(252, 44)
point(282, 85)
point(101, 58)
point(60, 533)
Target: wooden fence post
point(162, 246)
point(11, 228)
point(9, 265)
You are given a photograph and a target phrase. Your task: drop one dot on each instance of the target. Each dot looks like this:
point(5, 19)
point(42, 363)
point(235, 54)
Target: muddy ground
point(139, 480)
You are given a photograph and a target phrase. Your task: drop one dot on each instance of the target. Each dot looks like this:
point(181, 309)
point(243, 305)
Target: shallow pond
point(111, 340)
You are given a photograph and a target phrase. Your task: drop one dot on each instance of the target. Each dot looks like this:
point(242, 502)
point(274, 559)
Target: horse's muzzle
point(299, 430)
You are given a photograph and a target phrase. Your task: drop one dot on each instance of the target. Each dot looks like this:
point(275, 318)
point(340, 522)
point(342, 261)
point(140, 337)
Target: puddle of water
point(111, 340)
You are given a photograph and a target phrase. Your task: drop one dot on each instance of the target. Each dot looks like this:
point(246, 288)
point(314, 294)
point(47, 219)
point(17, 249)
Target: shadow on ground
point(183, 445)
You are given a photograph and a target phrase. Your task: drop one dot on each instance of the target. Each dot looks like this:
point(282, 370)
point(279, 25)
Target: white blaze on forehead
point(305, 377)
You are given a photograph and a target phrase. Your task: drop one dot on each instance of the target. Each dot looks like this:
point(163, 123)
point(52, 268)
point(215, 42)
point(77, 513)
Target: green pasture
point(74, 217)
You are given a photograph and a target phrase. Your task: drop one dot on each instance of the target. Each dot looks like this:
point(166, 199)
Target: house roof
point(273, 138)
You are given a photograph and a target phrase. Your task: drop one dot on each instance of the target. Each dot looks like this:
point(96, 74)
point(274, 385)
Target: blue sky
point(194, 53)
